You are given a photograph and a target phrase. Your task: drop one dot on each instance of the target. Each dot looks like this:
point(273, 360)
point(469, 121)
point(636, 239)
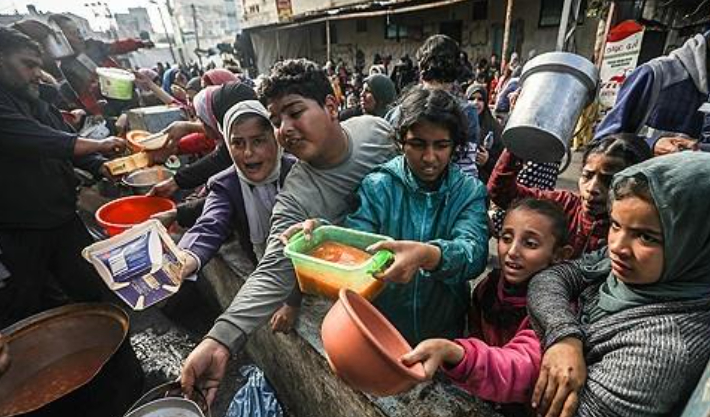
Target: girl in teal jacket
point(435, 212)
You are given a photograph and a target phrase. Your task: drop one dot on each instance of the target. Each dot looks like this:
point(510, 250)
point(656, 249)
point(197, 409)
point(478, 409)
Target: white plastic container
point(116, 83)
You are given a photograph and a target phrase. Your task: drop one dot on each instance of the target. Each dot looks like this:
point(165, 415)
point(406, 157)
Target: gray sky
point(77, 7)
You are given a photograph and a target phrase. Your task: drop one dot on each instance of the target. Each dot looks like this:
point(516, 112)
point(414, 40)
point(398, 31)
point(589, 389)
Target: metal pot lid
point(168, 407)
point(565, 62)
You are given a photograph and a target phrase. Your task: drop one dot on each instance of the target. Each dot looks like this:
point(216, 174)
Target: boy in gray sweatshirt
point(333, 159)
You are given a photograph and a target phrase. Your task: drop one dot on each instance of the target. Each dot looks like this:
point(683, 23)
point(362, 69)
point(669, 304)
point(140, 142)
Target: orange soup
point(339, 253)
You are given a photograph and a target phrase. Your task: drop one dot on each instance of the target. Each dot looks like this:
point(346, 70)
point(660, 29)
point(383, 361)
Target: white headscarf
point(259, 197)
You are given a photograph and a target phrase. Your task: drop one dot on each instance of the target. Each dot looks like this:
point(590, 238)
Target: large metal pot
point(58, 351)
point(166, 401)
point(49, 35)
point(56, 44)
point(142, 180)
point(556, 87)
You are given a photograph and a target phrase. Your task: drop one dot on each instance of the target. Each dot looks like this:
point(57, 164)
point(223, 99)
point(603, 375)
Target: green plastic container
point(319, 277)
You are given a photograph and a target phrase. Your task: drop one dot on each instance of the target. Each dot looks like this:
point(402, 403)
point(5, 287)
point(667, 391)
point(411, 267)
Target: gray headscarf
point(680, 187)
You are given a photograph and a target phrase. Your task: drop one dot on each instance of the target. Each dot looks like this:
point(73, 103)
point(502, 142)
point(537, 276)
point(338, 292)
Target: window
point(361, 25)
point(630, 9)
point(480, 9)
point(551, 12)
point(394, 31)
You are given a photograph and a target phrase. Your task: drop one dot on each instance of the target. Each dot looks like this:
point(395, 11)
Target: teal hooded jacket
point(454, 218)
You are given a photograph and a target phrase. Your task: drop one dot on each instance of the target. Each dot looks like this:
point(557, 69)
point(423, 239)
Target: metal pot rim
point(564, 62)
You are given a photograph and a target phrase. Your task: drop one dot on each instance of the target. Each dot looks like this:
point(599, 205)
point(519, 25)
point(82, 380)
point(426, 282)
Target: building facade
point(134, 23)
point(341, 29)
point(398, 28)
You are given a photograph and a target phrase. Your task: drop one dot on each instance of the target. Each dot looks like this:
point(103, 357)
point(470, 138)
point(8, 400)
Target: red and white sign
point(621, 53)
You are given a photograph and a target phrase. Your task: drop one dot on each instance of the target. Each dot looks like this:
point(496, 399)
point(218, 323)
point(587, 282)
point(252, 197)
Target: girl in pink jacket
point(501, 360)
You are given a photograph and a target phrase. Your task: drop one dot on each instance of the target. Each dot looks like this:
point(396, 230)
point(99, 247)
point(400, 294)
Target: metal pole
point(327, 39)
point(177, 31)
point(564, 22)
point(609, 19)
point(506, 35)
point(165, 29)
point(197, 36)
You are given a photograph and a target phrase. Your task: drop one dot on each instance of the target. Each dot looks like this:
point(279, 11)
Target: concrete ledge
point(296, 366)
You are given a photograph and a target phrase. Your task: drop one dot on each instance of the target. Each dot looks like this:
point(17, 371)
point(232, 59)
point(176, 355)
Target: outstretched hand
point(306, 227)
point(204, 369)
point(433, 353)
point(409, 257)
point(562, 375)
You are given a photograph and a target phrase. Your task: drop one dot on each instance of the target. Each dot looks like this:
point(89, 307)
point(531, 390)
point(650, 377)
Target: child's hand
point(562, 375)
point(307, 227)
point(283, 320)
point(409, 257)
point(189, 264)
point(433, 353)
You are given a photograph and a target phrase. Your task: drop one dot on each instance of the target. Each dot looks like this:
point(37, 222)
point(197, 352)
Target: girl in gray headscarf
point(636, 343)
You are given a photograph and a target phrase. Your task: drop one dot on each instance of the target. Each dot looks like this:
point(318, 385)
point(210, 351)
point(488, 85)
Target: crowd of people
point(599, 298)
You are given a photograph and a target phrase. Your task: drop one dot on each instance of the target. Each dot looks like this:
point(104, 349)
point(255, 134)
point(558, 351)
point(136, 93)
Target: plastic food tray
point(320, 277)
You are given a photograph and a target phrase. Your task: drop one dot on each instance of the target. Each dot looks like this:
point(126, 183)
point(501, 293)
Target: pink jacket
point(499, 364)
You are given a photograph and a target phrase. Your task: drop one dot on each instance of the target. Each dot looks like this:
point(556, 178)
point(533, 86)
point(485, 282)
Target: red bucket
point(122, 214)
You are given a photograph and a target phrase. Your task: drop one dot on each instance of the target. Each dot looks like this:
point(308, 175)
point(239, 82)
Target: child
point(501, 359)
point(437, 215)
point(333, 160)
point(637, 343)
point(242, 196)
point(587, 216)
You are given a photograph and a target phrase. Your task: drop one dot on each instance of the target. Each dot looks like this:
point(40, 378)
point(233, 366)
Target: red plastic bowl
point(122, 214)
point(363, 348)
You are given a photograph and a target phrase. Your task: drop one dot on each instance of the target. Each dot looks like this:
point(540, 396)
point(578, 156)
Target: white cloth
point(259, 197)
point(693, 56)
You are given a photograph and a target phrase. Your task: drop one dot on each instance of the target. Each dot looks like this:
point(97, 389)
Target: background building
point(134, 23)
point(340, 29)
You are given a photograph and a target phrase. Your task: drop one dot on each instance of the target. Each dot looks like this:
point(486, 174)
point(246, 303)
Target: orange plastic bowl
point(363, 348)
point(122, 214)
point(135, 136)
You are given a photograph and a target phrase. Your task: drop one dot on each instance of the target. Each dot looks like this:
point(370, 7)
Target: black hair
point(296, 76)
point(438, 59)
point(635, 186)
point(628, 147)
point(227, 95)
point(438, 107)
point(549, 209)
point(504, 315)
point(12, 40)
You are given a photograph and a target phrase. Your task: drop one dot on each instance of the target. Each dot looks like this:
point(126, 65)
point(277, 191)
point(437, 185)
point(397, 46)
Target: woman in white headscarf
point(242, 196)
